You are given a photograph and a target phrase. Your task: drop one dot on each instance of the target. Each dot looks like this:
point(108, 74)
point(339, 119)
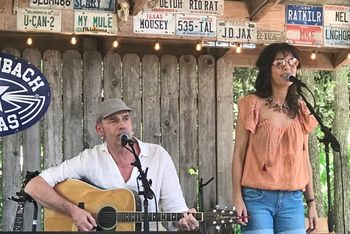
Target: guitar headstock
point(221, 216)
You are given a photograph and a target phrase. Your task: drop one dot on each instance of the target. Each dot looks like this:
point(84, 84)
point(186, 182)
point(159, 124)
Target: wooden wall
point(183, 103)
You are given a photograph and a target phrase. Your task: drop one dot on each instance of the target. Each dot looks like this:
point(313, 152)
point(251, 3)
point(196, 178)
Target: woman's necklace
point(277, 107)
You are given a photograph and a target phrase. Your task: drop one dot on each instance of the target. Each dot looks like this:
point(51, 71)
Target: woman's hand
point(242, 214)
point(312, 217)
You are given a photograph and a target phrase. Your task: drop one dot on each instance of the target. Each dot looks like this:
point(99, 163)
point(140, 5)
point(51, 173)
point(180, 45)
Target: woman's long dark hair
point(263, 86)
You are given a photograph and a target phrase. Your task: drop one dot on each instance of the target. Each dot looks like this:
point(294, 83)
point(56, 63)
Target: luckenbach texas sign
point(24, 94)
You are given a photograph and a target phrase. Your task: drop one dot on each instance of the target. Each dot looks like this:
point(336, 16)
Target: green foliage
point(243, 83)
point(192, 171)
point(324, 86)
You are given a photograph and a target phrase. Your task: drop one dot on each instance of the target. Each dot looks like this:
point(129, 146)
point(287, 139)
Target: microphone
point(124, 138)
point(295, 80)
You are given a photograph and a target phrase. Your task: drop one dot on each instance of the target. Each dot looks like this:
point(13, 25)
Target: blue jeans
point(273, 211)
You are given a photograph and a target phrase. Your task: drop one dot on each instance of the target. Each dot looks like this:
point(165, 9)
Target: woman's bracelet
point(308, 201)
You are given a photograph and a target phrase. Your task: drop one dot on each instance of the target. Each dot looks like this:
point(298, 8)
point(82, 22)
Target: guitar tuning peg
point(217, 207)
point(230, 221)
point(222, 221)
point(223, 211)
point(225, 208)
point(217, 227)
point(233, 208)
point(214, 222)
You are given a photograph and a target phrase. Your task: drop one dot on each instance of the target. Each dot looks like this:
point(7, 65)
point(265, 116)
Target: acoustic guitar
point(117, 209)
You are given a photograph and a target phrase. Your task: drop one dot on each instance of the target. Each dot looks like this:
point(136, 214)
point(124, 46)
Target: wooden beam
point(341, 59)
point(248, 57)
point(136, 6)
point(259, 8)
point(323, 61)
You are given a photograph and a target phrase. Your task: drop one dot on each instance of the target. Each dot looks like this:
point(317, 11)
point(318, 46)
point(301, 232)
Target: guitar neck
point(18, 225)
point(139, 217)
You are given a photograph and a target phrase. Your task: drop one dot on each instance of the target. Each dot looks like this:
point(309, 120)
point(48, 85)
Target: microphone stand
point(146, 184)
point(328, 138)
point(35, 216)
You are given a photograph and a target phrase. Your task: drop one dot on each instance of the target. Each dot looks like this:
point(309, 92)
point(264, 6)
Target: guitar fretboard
point(140, 216)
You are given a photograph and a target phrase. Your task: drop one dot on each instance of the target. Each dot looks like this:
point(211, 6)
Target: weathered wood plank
point(188, 126)
point(151, 99)
point(341, 159)
point(11, 170)
point(72, 104)
point(31, 145)
point(224, 138)
point(112, 76)
point(53, 119)
point(132, 89)
point(206, 128)
point(169, 110)
point(92, 83)
point(314, 149)
point(11, 175)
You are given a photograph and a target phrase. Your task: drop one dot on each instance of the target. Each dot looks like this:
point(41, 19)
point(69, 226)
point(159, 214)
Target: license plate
point(101, 5)
point(336, 36)
point(236, 31)
point(102, 23)
point(265, 36)
point(304, 35)
point(337, 16)
point(154, 23)
point(195, 25)
point(42, 20)
point(65, 4)
point(214, 7)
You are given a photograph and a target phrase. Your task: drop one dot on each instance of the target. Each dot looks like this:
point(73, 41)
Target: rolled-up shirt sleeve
point(171, 194)
point(69, 169)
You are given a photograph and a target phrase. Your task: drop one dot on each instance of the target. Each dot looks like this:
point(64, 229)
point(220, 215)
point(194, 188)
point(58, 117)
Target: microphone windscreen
point(124, 137)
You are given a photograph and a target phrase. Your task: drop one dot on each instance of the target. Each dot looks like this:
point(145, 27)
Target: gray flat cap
point(110, 106)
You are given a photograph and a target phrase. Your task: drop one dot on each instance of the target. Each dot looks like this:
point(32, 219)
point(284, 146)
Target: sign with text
point(154, 23)
point(95, 23)
point(40, 20)
point(304, 35)
point(337, 36)
point(214, 7)
point(60, 4)
point(267, 37)
point(24, 94)
point(195, 25)
point(236, 31)
point(336, 16)
point(304, 15)
point(98, 5)
point(166, 6)
point(210, 7)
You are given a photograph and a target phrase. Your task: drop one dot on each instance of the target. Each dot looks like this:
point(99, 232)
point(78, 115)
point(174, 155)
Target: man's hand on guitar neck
point(188, 222)
point(83, 219)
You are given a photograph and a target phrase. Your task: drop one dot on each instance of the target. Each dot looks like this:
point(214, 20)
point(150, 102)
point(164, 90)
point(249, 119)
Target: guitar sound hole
point(107, 218)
